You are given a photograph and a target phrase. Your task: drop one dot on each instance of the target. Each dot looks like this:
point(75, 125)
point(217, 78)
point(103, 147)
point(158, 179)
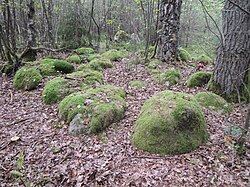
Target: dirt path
point(53, 158)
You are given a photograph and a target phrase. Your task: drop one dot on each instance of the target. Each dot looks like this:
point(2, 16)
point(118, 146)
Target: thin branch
point(221, 35)
point(244, 10)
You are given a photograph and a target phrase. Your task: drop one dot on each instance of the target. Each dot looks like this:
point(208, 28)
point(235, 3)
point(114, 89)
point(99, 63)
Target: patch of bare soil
point(36, 150)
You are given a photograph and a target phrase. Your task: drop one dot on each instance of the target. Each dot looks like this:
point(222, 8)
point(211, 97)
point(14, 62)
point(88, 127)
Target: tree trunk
point(170, 11)
point(233, 55)
point(30, 54)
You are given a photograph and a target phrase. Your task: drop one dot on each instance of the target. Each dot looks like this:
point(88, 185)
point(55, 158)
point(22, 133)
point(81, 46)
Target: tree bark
point(30, 53)
point(233, 55)
point(170, 11)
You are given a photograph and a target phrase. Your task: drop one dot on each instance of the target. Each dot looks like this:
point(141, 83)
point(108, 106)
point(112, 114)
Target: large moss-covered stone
point(169, 77)
point(74, 59)
point(184, 55)
point(27, 78)
point(214, 102)
point(58, 88)
point(99, 107)
point(85, 51)
point(204, 58)
point(170, 123)
point(199, 79)
point(114, 54)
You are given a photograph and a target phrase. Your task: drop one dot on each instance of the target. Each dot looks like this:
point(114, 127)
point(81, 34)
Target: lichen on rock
point(170, 123)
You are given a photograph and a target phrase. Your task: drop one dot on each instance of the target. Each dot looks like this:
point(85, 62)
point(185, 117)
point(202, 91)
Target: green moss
point(100, 107)
point(7, 68)
point(87, 76)
point(154, 64)
point(93, 56)
point(204, 58)
point(153, 71)
point(27, 78)
point(100, 63)
point(199, 79)
point(85, 51)
point(47, 69)
point(246, 88)
point(214, 102)
point(214, 87)
point(121, 36)
point(170, 77)
point(58, 88)
point(184, 55)
point(74, 59)
point(138, 84)
point(84, 67)
point(170, 123)
point(114, 55)
point(63, 66)
point(55, 90)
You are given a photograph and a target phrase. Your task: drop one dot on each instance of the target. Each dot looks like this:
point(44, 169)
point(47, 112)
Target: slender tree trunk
point(30, 53)
point(170, 11)
point(233, 55)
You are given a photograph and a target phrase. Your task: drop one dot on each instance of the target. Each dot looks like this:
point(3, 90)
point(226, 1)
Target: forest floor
point(36, 148)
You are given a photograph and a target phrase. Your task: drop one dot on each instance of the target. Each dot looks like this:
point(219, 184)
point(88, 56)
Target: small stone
point(76, 126)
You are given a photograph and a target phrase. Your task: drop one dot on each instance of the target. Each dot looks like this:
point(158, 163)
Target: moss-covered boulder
point(199, 79)
point(170, 77)
point(74, 59)
point(204, 58)
point(55, 90)
point(85, 51)
point(121, 36)
point(154, 64)
point(214, 102)
point(99, 107)
point(27, 78)
point(49, 66)
point(58, 88)
point(170, 123)
point(138, 84)
point(63, 66)
point(94, 56)
point(184, 55)
point(100, 63)
point(114, 55)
